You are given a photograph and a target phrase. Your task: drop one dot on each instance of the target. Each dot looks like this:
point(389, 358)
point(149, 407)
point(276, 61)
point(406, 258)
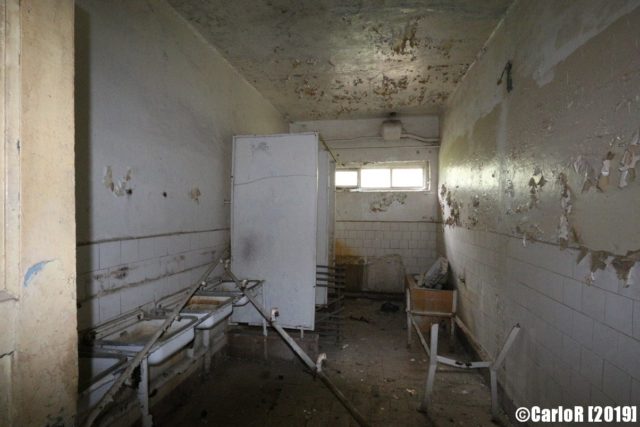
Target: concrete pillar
point(38, 364)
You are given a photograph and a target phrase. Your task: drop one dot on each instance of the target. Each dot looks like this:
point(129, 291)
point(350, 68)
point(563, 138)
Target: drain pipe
point(135, 362)
point(315, 367)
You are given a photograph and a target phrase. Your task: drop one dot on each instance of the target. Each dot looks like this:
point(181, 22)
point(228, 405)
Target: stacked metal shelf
point(330, 316)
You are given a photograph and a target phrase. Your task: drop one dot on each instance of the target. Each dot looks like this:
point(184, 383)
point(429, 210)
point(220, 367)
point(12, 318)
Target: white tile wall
point(619, 313)
point(415, 242)
point(120, 276)
point(584, 337)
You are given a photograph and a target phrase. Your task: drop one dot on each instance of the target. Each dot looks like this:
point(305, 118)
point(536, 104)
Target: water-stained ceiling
point(320, 59)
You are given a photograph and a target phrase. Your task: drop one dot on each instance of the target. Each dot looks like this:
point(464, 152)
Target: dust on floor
point(372, 365)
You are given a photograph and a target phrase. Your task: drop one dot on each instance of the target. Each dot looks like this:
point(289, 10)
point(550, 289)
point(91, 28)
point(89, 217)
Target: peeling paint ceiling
point(324, 59)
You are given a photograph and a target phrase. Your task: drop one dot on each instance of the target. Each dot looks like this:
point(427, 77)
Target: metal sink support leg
point(206, 340)
point(431, 375)
point(142, 354)
point(434, 359)
point(495, 405)
point(143, 394)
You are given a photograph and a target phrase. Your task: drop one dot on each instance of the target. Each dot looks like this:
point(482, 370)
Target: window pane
point(375, 178)
point(408, 177)
point(346, 178)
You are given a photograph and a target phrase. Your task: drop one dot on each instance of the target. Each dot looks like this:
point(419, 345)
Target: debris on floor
point(239, 393)
point(388, 307)
point(359, 319)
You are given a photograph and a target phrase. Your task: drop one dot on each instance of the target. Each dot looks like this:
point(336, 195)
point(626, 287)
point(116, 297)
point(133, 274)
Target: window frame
point(422, 164)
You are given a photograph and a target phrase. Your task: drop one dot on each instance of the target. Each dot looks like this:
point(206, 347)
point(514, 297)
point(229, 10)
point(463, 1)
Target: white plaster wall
point(575, 93)
point(158, 106)
point(408, 225)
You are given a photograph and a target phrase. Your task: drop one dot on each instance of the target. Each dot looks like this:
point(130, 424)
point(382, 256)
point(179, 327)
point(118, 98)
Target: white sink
point(211, 310)
point(97, 372)
point(132, 338)
point(226, 288)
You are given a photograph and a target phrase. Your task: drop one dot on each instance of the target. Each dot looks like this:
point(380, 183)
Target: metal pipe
point(463, 365)
point(409, 318)
point(493, 370)
point(507, 345)
point(432, 352)
point(433, 364)
point(142, 354)
point(446, 360)
point(143, 393)
point(435, 141)
point(298, 351)
point(422, 340)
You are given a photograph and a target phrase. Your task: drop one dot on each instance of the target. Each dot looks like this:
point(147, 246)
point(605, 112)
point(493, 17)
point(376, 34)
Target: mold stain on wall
point(384, 201)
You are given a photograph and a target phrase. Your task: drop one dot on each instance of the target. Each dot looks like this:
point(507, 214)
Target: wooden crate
point(430, 301)
point(429, 306)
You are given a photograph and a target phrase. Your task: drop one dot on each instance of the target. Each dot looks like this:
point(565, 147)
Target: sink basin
point(210, 309)
point(97, 372)
point(229, 289)
point(133, 337)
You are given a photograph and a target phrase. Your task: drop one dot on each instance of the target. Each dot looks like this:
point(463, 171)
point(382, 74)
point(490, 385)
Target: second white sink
point(211, 310)
point(132, 338)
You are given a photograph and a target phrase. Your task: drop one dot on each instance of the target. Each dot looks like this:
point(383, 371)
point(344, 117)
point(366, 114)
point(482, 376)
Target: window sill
point(383, 190)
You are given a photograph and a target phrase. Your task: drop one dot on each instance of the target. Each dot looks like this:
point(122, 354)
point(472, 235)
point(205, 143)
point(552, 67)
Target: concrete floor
point(372, 366)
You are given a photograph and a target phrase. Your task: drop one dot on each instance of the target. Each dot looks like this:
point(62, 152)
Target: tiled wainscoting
point(415, 242)
point(579, 343)
point(115, 277)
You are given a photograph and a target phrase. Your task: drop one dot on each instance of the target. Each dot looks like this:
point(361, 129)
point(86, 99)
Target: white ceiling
point(326, 59)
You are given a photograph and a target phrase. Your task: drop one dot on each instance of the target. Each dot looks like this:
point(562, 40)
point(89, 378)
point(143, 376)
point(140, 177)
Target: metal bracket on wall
point(507, 70)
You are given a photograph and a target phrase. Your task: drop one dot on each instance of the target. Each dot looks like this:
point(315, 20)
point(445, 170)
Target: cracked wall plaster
point(573, 144)
point(340, 59)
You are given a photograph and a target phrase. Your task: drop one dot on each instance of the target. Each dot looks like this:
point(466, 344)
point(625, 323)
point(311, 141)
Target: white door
point(274, 223)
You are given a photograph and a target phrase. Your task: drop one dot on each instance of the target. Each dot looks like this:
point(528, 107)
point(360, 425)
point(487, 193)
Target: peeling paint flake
point(582, 254)
point(586, 171)
point(408, 40)
point(598, 260)
point(565, 231)
point(629, 160)
point(624, 264)
point(120, 187)
point(195, 194)
point(605, 171)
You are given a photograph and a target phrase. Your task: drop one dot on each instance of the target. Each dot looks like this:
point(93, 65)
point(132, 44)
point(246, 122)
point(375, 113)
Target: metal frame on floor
point(434, 359)
point(330, 316)
point(315, 367)
point(449, 315)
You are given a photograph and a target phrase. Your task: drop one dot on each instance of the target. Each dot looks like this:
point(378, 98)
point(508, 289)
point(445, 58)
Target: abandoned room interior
point(320, 212)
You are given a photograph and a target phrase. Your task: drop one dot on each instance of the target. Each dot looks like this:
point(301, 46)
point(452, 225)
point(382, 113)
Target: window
point(375, 178)
point(407, 177)
point(347, 178)
point(396, 176)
